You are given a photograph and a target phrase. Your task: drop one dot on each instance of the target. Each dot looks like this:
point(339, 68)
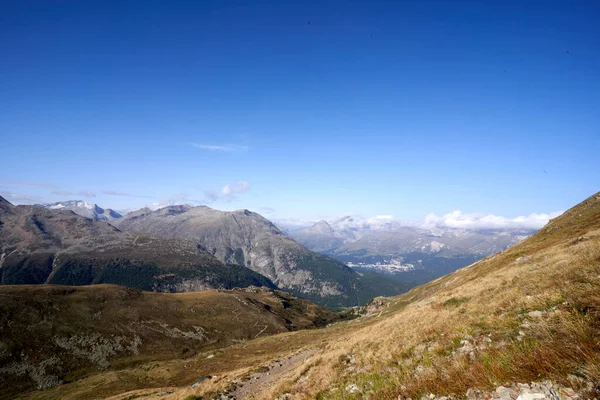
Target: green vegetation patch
point(455, 301)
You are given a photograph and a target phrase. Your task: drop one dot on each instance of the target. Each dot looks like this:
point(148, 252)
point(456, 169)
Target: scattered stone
point(535, 314)
point(352, 388)
point(350, 359)
point(523, 391)
point(505, 393)
point(466, 348)
point(285, 396)
point(210, 356)
point(531, 396)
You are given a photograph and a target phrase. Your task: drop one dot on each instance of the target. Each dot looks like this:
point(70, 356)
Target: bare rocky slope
point(39, 245)
point(246, 238)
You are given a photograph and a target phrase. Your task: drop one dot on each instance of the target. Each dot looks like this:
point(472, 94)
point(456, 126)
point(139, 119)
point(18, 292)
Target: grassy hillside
point(56, 334)
point(529, 313)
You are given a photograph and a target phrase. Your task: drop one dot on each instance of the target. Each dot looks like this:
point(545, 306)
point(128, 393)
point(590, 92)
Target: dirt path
point(261, 380)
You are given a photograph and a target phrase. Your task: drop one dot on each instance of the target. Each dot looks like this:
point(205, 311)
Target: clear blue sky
point(312, 109)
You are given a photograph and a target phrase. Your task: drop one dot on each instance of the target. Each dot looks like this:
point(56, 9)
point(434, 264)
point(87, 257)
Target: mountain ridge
point(40, 245)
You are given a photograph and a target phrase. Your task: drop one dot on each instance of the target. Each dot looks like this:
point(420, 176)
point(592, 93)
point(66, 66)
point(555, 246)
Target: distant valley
point(409, 252)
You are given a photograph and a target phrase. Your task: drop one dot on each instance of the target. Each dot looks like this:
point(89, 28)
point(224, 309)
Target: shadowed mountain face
point(246, 238)
point(39, 245)
point(84, 209)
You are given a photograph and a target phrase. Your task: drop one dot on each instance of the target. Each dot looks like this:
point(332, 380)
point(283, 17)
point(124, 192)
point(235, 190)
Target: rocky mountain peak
point(174, 210)
point(322, 228)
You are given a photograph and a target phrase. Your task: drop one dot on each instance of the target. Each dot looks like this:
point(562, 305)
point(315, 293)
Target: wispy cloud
point(22, 198)
point(228, 192)
point(124, 194)
point(267, 210)
point(83, 193)
point(292, 224)
point(30, 184)
point(54, 188)
point(211, 195)
point(223, 147)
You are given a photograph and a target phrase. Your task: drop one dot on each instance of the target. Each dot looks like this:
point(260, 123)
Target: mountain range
point(176, 249)
point(85, 209)
point(41, 245)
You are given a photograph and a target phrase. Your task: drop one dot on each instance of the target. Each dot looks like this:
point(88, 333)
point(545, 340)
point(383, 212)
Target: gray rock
point(200, 380)
point(352, 388)
point(535, 314)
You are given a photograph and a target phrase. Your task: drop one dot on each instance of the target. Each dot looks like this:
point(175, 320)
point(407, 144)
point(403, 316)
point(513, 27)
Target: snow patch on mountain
point(84, 209)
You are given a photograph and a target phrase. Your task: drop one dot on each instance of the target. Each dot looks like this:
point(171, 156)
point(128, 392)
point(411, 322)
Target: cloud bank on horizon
point(475, 221)
point(455, 219)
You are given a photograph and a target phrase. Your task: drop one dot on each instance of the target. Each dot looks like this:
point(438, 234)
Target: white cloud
point(457, 219)
point(231, 192)
point(228, 192)
point(224, 147)
point(380, 221)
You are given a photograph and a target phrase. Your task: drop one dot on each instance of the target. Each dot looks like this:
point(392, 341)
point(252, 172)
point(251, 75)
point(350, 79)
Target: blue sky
point(302, 110)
